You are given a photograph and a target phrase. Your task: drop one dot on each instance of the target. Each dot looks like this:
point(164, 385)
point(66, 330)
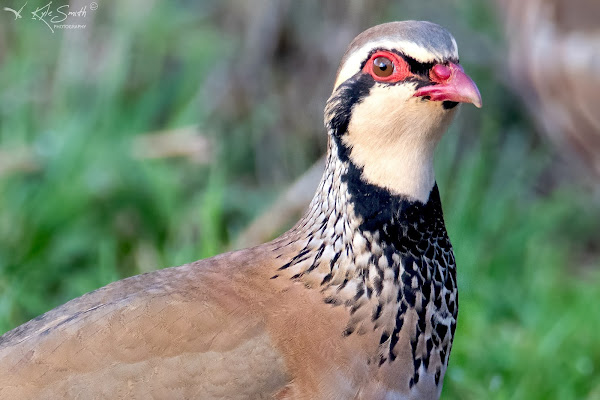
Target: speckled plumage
point(357, 301)
point(388, 261)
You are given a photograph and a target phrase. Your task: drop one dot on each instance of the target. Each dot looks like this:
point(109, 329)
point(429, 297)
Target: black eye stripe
point(416, 67)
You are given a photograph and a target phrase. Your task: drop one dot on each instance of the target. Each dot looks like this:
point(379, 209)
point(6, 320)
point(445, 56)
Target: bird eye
point(383, 67)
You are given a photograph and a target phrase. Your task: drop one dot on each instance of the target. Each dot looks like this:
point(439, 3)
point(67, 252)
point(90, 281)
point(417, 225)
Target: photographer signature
point(50, 16)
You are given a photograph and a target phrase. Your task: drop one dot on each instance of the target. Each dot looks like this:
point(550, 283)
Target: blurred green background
point(155, 135)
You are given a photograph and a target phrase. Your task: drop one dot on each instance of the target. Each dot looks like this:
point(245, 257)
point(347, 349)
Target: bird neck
point(384, 257)
point(356, 236)
point(401, 168)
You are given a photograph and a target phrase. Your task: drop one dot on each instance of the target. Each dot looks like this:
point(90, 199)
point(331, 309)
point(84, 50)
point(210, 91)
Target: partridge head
point(357, 301)
point(396, 91)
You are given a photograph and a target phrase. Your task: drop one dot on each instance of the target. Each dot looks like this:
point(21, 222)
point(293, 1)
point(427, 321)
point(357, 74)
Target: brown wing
point(185, 332)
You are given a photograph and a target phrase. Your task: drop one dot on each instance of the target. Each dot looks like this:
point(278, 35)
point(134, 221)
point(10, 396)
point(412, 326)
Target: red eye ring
point(400, 69)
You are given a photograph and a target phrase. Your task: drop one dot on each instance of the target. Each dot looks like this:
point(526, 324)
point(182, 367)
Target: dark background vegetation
point(154, 136)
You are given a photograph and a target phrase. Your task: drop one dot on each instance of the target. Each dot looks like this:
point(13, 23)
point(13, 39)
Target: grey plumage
point(429, 36)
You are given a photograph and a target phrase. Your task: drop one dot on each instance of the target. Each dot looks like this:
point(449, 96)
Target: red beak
point(452, 84)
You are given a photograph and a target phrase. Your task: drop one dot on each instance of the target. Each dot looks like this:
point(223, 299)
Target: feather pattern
point(388, 260)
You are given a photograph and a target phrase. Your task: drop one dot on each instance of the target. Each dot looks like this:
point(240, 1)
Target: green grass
point(91, 213)
point(527, 326)
point(527, 256)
